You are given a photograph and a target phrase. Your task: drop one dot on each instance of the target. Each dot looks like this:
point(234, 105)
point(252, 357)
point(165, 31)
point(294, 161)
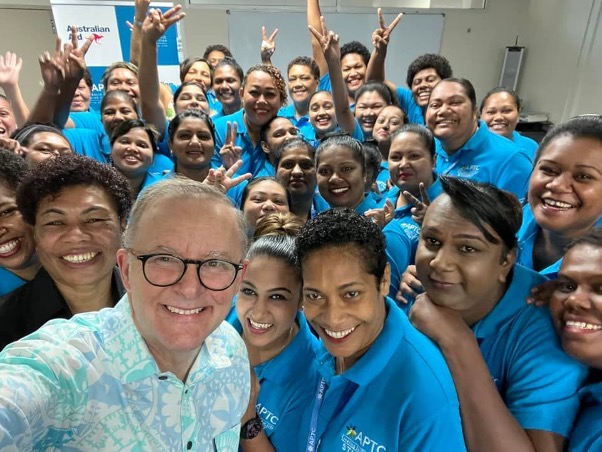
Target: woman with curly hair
point(237, 136)
point(77, 208)
point(380, 382)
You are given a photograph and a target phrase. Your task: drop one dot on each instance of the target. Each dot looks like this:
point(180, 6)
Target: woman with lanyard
point(496, 345)
point(360, 402)
point(576, 309)
point(465, 146)
point(564, 193)
point(280, 344)
point(500, 109)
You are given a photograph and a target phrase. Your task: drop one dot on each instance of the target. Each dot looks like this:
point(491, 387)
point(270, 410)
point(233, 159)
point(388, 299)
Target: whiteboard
point(415, 35)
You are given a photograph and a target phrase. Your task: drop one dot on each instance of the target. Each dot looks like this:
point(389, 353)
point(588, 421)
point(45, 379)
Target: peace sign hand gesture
point(329, 41)
point(380, 36)
point(156, 22)
point(419, 209)
point(229, 152)
point(268, 44)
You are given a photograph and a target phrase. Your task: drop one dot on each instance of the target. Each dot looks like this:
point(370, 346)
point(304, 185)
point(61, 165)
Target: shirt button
point(189, 445)
point(162, 377)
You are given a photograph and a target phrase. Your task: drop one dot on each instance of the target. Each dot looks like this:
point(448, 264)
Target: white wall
point(561, 71)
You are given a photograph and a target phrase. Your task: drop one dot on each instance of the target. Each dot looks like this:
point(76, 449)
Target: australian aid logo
point(354, 440)
point(97, 32)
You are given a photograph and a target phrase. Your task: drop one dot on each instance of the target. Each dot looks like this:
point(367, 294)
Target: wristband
point(138, 23)
point(252, 428)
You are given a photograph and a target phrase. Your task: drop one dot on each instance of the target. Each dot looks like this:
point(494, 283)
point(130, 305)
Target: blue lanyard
point(312, 442)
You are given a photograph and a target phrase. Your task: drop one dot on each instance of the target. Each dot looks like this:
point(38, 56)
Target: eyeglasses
point(163, 270)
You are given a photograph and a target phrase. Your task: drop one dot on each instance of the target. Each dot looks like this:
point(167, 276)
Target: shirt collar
point(127, 349)
point(511, 303)
point(378, 356)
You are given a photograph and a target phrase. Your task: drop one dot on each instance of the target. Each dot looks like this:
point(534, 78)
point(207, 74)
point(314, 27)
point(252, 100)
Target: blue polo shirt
point(526, 144)
point(487, 157)
point(286, 381)
point(253, 157)
point(409, 106)
point(326, 85)
point(398, 396)
point(383, 177)
point(587, 433)
point(89, 143)
point(302, 124)
point(358, 134)
point(286, 386)
point(527, 234)
point(87, 120)
point(402, 234)
point(9, 281)
point(371, 201)
point(536, 379)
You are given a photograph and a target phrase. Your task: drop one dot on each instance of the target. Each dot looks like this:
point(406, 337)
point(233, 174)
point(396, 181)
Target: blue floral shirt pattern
point(90, 383)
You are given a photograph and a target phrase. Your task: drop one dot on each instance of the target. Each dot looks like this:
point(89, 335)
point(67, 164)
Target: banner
point(106, 22)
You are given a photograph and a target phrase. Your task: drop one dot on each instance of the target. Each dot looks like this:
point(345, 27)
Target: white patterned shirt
point(90, 383)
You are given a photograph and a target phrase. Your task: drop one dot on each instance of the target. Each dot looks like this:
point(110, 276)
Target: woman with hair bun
point(280, 344)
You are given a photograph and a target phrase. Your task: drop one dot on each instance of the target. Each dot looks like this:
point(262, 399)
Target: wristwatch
point(251, 428)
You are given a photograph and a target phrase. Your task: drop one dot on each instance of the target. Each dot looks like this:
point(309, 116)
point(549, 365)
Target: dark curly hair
point(356, 47)
point(51, 176)
point(274, 74)
point(429, 60)
point(13, 169)
point(220, 48)
point(305, 61)
point(344, 228)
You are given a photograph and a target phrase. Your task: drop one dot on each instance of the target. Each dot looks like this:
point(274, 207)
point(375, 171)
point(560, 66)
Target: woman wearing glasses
point(77, 208)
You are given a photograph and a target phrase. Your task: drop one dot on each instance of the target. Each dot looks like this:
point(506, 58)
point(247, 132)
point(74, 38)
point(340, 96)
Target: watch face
point(252, 428)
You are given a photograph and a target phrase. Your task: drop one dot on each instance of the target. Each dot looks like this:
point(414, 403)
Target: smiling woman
point(366, 343)
point(77, 208)
point(564, 193)
point(473, 308)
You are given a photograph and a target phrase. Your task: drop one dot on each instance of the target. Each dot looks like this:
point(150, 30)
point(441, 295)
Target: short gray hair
point(177, 188)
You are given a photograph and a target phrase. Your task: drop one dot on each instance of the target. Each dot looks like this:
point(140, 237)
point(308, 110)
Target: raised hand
point(380, 36)
point(53, 68)
point(10, 67)
point(229, 152)
point(419, 209)
point(224, 180)
point(329, 40)
point(541, 295)
point(156, 22)
point(381, 216)
point(268, 44)
point(74, 57)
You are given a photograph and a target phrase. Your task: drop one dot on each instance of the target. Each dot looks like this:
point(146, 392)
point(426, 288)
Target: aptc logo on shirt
point(268, 418)
point(467, 170)
point(354, 440)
